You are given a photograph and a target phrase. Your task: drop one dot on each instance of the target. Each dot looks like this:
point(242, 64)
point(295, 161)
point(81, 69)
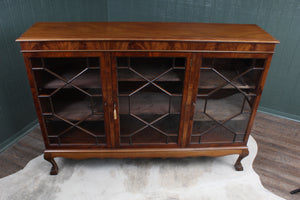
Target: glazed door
point(225, 99)
point(70, 100)
point(149, 97)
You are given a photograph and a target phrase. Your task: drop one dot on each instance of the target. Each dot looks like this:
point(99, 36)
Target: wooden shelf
point(76, 111)
point(217, 136)
point(221, 109)
point(88, 79)
point(208, 80)
point(169, 125)
point(128, 87)
point(150, 103)
point(76, 135)
point(92, 80)
point(173, 75)
point(211, 132)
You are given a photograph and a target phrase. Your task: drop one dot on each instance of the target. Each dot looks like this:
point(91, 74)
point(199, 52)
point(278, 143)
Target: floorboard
point(278, 158)
point(277, 161)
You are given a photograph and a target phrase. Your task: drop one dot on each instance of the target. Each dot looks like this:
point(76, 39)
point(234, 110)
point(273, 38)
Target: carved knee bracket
point(54, 168)
point(238, 165)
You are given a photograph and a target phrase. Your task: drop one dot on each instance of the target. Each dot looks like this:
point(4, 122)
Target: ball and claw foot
point(238, 165)
point(54, 168)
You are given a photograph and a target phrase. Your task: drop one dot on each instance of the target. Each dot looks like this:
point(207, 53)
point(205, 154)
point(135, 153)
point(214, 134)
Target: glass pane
point(150, 68)
point(169, 124)
point(70, 94)
point(150, 93)
point(148, 135)
point(226, 92)
point(224, 104)
point(149, 100)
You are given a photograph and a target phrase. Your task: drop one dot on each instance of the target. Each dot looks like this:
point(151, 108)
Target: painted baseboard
point(24, 131)
point(280, 114)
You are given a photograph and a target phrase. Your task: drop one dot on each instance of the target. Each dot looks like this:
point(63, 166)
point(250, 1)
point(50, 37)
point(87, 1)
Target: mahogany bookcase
point(146, 89)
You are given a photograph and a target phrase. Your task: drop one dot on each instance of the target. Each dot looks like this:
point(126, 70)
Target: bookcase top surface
point(146, 31)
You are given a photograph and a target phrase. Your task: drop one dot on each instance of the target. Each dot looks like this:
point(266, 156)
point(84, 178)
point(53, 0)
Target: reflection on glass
point(226, 91)
point(69, 90)
point(150, 93)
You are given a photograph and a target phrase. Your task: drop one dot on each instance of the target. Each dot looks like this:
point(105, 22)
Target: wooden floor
point(277, 161)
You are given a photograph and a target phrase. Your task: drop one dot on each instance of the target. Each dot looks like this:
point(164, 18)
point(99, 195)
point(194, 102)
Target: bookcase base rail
point(49, 155)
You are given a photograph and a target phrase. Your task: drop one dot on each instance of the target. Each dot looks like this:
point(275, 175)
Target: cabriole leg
point(238, 165)
point(54, 168)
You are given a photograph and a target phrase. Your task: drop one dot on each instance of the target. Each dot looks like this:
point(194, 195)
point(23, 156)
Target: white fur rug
point(138, 179)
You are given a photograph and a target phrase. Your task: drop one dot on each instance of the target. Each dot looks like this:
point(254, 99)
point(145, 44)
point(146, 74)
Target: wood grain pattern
point(145, 153)
point(278, 18)
point(259, 91)
point(135, 31)
point(278, 158)
point(274, 150)
point(190, 102)
point(18, 155)
point(37, 104)
point(199, 46)
point(115, 79)
point(66, 40)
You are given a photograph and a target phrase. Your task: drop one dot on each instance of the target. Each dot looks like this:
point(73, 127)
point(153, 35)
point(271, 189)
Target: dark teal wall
point(279, 17)
point(17, 112)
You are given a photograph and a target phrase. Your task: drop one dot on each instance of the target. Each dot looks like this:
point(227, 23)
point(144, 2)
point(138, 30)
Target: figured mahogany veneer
point(146, 31)
point(146, 89)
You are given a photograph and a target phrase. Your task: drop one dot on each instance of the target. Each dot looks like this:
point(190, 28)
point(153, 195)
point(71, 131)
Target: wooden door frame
point(106, 94)
point(193, 84)
point(116, 123)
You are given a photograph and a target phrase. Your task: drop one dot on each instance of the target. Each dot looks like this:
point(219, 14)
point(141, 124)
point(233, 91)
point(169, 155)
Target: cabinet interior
point(150, 94)
point(224, 101)
point(149, 91)
point(70, 95)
